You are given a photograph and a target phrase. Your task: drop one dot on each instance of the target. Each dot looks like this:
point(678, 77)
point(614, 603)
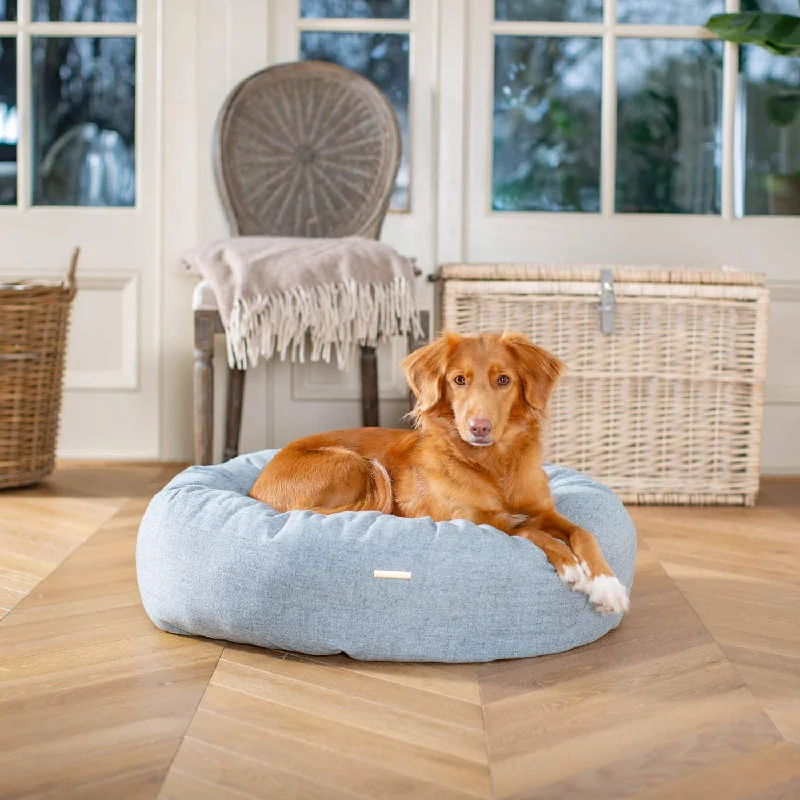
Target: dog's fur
point(442, 469)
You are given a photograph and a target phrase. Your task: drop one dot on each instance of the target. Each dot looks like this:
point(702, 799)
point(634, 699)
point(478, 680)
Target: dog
point(474, 453)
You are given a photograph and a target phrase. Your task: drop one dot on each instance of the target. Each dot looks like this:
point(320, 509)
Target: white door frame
point(111, 398)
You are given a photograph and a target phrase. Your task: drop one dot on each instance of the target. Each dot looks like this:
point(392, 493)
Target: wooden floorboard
point(641, 714)
point(740, 571)
point(695, 695)
point(94, 700)
point(358, 733)
point(41, 525)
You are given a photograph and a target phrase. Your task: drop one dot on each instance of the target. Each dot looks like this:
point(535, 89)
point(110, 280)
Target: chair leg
point(370, 412)
point(204, 322)
point(233, 413)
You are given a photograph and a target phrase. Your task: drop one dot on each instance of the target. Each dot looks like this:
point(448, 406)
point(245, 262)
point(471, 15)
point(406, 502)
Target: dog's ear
point(538, 370)
point(425, 370)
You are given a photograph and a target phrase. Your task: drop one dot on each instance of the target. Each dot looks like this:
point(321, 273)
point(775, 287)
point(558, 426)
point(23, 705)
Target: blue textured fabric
point(213, 562)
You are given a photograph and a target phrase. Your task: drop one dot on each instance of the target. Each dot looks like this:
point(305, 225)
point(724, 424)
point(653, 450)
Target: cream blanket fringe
point(334, 316)
point(285, 296)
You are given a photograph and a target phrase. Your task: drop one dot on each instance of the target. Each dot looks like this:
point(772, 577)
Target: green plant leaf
point(783, 108)
point(777, 33)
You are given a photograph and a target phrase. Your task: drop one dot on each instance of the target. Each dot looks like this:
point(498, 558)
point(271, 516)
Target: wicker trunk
point(34, 317)
point(663, 395)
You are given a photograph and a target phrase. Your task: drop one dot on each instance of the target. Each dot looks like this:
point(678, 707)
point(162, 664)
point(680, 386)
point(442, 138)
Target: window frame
point(392, 25)
point(23, 29)
point(609, 31)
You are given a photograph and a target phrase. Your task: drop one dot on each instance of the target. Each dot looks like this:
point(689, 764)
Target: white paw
point(608, 595)
point(576, 577)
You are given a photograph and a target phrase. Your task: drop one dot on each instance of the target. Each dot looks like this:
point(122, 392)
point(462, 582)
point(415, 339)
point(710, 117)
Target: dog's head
point(481, 383)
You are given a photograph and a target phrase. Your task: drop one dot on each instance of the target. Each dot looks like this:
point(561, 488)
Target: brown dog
point(475, 454)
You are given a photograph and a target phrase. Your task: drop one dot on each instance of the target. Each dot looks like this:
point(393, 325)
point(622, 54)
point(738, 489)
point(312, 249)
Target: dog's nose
point(480, 427)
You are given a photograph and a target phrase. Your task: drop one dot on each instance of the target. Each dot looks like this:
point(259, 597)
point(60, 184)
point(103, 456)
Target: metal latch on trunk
point(607, 301)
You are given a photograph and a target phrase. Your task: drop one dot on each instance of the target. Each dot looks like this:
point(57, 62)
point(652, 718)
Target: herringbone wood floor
point(697, 694)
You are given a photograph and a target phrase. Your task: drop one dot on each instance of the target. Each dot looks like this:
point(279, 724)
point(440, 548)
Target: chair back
point(306, 149)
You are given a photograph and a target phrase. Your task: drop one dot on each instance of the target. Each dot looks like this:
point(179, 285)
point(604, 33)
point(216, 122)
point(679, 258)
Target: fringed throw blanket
point(274, 293)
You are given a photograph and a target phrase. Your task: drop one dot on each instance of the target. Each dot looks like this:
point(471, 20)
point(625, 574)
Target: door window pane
point(549, 10)
point(8, 121)
point(669, 137)
point(546, 139)
point(8, 10)
point(348, 9)
point(84, 120)
point(83, 10)
point(769, 125)
point(668, 12)
point(775, 6)
point(381, 57)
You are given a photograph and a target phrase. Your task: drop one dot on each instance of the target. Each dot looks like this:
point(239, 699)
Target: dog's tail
point(375, 492)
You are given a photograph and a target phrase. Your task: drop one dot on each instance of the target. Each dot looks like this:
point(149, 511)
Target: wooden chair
point(301, 149)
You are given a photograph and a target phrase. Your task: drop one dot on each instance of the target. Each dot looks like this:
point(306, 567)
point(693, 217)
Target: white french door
point(79, 166)
point(394, 44)
point(621, 132)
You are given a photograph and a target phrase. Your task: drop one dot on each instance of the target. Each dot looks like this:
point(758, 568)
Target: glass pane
point(381, 57)
point(546, 124)
point(768, 120)
point(669, 138)
point(549, 10)
point(8, 10)
point(84, 120)
point(775, 6)
point(83, 10)
point(668, 12)
point(8, 121)
point(347, 9)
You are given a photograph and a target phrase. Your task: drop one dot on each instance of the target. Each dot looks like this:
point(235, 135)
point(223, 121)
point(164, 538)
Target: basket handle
point(70, 284)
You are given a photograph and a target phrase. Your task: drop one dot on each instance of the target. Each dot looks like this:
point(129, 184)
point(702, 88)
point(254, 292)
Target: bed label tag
point(391, 573)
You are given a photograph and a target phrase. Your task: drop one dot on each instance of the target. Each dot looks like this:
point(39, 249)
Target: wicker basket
point(666, 405)
point(34, 317)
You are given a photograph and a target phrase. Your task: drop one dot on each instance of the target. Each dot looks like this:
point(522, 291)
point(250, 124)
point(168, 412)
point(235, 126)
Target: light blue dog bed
point(212, 562)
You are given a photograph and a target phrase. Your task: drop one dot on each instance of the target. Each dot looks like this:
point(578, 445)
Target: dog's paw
point(576, 577)
point(608, 595)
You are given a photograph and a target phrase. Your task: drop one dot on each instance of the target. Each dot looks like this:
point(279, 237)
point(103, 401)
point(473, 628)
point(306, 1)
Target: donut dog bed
point(213, 562)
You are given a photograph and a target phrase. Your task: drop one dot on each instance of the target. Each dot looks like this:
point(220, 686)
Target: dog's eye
point(503, 380)
point(460, 380)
